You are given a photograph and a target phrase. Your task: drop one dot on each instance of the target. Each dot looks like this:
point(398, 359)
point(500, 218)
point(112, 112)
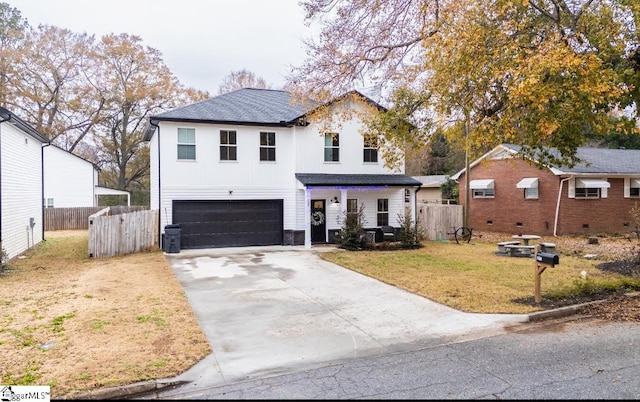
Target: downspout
point(415, 205)
point(555, 220)
point(155, 124)
point(42, 185)
point(1, 121)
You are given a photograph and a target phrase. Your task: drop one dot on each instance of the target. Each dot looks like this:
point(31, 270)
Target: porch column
point(343, 203)
point(307, 217)
point(412, 206)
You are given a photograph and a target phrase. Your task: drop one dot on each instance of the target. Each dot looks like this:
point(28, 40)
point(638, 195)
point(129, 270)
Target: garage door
point(233, 223)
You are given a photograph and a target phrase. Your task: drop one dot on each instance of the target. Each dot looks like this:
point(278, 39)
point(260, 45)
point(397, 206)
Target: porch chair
point(389, 233)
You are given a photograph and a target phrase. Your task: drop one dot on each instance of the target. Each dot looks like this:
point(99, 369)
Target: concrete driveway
point(282, 309)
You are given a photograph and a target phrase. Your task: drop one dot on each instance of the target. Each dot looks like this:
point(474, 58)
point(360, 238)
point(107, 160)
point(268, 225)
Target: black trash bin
point(171, 239)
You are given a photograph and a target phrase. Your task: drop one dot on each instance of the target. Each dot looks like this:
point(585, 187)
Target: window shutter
point(627, 187)
point(604, 191)
point(572, 188)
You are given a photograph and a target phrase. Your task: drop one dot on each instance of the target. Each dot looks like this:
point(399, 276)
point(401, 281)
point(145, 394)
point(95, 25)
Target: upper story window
point(383, 212)
point(267, 146)
point(187, 143)
point(48, 202)
point(370, 151)
point(228, 145)
point(332, 147)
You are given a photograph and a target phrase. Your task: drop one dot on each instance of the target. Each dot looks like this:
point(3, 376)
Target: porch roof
point(325, 179)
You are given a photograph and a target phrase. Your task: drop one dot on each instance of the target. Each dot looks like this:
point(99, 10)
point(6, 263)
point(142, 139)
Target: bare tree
point(241, 79)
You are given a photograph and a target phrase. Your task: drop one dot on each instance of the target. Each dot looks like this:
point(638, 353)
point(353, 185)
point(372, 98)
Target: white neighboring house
point(251, 168)
point(71, 181)
point(21, 184)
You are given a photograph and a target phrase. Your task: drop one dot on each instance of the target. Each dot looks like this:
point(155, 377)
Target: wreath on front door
point(317, 218)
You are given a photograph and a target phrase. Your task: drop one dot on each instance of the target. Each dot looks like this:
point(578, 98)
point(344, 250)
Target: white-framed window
point(382, 217)
point(228, 145)
point(332, 147)
point(588, 188)
point(631, 188)
point(483, 193)
point(482, 188)
point(531, 193)
point(352, 206)
point(370, 150)
point(267, 146)
point(186, 143)
point(588, 192)
point(530, 186)
point(48, 202)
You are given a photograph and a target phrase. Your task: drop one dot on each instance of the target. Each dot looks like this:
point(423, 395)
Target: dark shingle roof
point(247, 105)
point(325, 179)
point(600, 160)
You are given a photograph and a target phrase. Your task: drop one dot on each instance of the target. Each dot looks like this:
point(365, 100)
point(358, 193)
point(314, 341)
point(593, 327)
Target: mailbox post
point(540, 262)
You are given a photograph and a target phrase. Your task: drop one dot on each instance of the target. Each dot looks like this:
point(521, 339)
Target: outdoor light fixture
point(335, 200)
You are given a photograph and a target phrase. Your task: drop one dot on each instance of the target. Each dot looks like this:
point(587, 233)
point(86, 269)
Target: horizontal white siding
point(369, 199)
point(21, 181)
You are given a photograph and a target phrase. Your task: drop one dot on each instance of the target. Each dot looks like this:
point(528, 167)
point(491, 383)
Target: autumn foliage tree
point(535, 73)
point(90, 97)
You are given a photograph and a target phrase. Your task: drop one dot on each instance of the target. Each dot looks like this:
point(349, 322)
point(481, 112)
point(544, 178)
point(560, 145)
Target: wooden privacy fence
point(437, 220)
point(116, 234)
point(77, 218)
point(68, 218)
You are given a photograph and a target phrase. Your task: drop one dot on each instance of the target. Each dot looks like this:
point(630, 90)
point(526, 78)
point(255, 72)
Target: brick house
point(510, 194)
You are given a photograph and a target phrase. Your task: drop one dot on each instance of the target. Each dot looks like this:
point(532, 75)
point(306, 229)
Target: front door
point(318, 222)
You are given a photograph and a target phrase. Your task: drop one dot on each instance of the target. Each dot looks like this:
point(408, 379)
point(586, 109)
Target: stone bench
point(548, 248)
point(519, 250)
point(501, 246)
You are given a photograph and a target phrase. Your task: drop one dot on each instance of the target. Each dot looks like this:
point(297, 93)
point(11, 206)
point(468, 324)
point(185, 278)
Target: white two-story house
point(252, 168)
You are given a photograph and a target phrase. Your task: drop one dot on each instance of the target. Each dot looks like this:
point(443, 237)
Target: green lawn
point(471, 277)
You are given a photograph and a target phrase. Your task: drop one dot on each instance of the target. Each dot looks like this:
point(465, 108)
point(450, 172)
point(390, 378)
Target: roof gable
point(605, 161)
point(248, 106)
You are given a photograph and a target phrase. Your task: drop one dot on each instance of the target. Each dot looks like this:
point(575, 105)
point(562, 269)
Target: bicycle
point(462, 233)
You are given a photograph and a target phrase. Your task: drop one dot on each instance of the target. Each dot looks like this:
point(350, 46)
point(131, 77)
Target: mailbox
point(548, 258)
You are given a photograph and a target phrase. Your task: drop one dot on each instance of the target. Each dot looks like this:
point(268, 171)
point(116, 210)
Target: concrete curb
point(124, 391)
point(561, 311)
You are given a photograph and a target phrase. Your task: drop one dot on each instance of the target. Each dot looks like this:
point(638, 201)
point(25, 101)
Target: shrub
point(351, 235)
point(409, 234)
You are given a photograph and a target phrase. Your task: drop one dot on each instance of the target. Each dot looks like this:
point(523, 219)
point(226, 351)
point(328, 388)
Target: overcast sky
point(201, 41)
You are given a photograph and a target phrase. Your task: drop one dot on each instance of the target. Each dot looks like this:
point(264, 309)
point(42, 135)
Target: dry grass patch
point(77, 324)
point(471, 277)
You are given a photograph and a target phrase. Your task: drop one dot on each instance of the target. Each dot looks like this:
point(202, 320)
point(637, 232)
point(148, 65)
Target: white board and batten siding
point(21, 180)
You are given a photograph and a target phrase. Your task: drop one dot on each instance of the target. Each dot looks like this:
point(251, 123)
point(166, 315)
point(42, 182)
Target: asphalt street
point(555, 359)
